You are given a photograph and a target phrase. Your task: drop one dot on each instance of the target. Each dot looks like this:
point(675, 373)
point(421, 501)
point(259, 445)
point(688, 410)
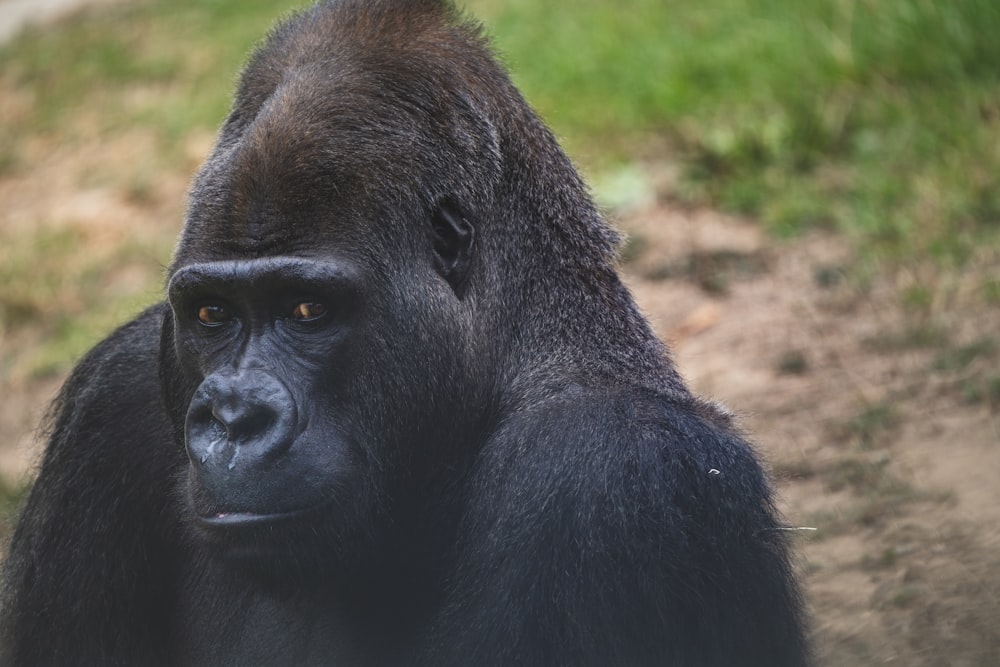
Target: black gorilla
point(398, 408)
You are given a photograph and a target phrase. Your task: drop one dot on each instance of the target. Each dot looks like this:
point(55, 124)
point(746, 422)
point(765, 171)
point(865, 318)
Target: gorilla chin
point(297, 545)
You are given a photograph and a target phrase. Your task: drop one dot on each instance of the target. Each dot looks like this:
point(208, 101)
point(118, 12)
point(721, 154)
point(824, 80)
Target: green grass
point(170, 66)
point(68, 298)
point(876, 118)
point(11, 497)
point(880, 119)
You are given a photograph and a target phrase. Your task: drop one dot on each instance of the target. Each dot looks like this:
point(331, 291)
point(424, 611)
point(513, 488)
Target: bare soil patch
point(874, 442)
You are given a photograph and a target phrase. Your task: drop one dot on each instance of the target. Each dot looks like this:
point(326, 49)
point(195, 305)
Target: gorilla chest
point(253, 627)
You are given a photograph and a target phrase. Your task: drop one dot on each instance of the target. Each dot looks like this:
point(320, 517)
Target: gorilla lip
point(221, 520)
point(225, 520)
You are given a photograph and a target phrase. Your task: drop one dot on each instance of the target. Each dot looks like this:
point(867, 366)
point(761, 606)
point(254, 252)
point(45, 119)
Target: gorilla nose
point(245, 419)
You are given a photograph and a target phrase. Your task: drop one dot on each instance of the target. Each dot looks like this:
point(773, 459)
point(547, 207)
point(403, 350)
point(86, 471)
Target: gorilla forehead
point(338, 126)
point(311, 165)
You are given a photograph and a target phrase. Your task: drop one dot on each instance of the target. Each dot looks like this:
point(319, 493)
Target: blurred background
point(810, 192)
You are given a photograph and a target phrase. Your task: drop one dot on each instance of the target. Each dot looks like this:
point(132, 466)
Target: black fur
point(398, 409)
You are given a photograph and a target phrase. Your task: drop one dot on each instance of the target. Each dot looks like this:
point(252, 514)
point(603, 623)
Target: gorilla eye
point(308, 310)
point(213, 315)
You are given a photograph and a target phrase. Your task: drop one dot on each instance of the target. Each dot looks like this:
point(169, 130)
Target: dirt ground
point(872, 442)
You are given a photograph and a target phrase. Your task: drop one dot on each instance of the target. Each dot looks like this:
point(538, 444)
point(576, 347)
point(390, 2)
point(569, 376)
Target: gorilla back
point(397, 408)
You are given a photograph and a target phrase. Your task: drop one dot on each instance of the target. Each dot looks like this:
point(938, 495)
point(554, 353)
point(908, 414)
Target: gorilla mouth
point(252, 537)
point(237, 520)
point(225, 521)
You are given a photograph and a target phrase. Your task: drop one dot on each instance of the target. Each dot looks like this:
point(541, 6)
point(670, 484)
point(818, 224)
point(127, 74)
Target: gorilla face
point(317, 392)
point(321, 341)
point(272, 344)
point(316, 379)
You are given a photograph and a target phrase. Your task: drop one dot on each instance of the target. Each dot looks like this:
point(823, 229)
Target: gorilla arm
point(84, 577)
point(589, 484)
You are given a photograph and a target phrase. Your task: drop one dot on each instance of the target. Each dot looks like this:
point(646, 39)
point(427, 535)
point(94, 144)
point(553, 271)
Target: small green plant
point(793, 362)
point(856, 474)
point(885, 560)
point(915, 334)
point(958, 358)
point(11, 497)
point(789, 470)
point(906, 596)
point(868, 429)
point(991, 291)
point(983, 390)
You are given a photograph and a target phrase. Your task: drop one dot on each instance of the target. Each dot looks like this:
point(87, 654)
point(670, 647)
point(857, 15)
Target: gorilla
point(397, 407)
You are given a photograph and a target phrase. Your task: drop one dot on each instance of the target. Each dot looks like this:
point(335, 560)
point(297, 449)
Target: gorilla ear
point(453, 236)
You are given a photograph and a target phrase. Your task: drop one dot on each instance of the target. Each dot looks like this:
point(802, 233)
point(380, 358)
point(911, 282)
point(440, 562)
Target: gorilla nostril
point(245, 422)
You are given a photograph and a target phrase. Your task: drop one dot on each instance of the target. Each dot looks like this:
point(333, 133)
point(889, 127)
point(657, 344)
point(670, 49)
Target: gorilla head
point(344, 295)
